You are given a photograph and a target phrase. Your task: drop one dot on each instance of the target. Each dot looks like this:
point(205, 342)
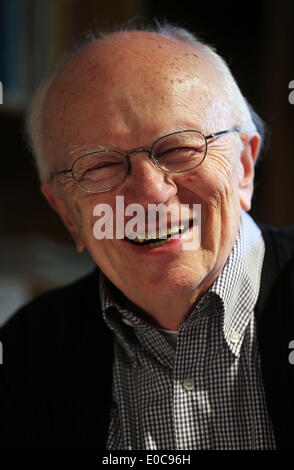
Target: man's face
point(124, 94)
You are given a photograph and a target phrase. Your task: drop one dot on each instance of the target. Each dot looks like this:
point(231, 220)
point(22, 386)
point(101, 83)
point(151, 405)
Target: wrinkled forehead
point(122, 80)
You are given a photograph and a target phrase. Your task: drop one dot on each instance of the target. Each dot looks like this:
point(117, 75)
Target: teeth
point(159, 233)
point(140, 240)
point(160, 243)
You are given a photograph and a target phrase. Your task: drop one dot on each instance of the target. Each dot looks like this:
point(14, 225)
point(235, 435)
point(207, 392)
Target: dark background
point(256, 38)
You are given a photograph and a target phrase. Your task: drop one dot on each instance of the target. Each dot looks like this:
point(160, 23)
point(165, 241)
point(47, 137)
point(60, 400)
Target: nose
point(145, 182)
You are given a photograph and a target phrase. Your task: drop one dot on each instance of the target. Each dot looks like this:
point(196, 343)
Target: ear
point(57, 203)
point(248, 159)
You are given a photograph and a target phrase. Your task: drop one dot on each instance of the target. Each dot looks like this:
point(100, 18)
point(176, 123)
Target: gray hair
point(242, 111)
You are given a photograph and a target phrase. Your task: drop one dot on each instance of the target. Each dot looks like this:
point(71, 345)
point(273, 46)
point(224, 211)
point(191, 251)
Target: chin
point(174, 282)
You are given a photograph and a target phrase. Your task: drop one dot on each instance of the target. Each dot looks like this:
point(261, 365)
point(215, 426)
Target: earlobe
point(58, 205)
point(248, 159)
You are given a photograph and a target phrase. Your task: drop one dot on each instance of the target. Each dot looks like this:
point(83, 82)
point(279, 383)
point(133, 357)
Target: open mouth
point(161, 239)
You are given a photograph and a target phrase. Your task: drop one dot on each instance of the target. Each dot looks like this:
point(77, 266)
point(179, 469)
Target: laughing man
point(160, 347)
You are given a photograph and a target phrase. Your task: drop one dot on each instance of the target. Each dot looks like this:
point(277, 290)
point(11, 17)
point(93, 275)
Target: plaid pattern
point(207, 392)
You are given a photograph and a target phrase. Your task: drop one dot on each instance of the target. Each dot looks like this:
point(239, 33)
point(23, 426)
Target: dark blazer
point(56, 376)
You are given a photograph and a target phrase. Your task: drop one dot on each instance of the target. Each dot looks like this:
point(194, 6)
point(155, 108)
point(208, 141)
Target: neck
point(167, 312)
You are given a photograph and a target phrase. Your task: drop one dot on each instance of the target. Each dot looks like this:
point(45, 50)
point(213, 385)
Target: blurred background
point(256, 38)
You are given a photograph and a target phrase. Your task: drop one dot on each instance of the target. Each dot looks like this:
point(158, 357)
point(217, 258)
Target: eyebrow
point(74, 152)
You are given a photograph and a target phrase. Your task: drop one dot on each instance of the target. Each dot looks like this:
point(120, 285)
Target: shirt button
point(234, 337)
point(127, 322)
point(188, 384)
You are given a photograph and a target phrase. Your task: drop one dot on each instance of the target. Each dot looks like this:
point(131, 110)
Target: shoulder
point(283, 236)
point(57, 306)
point(277, 277)
point(54, 324)
point(274, 313)
point(279, 245)
point(51, 349)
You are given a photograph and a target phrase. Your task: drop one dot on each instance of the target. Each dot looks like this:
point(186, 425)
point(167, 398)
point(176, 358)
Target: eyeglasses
point(104, 170)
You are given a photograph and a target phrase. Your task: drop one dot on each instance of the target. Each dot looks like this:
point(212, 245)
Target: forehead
point(123, 84)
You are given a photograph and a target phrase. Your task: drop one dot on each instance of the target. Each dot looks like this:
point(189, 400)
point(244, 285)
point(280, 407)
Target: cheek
point(82, 212)
point(220, 166)
point(92, 209)
point(208, 180)
point(213, 181)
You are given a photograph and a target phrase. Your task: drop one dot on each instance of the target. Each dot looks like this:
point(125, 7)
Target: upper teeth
point(158, 233)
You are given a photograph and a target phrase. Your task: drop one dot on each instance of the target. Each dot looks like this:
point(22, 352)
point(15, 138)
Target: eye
point(180, 153)
point(102, 165)
point(102, 171)
point(98, 166)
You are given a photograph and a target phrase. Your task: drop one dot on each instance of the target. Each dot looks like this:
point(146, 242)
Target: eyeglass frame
point(143, 150)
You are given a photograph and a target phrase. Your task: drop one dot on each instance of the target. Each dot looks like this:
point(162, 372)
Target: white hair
point(242, 112)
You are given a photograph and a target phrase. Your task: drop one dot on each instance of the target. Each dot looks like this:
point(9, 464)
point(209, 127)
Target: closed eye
point(181, 150)
point(101, 170)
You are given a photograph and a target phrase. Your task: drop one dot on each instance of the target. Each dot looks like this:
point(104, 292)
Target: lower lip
point(170, 247)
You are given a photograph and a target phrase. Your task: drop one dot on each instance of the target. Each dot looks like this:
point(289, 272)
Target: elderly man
point(160, 347)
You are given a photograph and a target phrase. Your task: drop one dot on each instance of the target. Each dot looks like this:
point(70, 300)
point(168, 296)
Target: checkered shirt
point(207, 392)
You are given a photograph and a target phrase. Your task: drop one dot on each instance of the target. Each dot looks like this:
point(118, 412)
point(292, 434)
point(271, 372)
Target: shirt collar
point(239, 282)
point(129, 327)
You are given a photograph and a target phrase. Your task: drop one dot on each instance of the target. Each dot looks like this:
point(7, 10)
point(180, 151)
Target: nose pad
point(134, 152)
point(150, 163)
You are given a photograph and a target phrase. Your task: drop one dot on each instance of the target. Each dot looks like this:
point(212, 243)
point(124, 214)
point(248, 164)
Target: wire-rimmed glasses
point(177, 152)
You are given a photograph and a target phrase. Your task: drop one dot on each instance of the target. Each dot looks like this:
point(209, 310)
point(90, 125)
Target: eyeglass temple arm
point(215, 134)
